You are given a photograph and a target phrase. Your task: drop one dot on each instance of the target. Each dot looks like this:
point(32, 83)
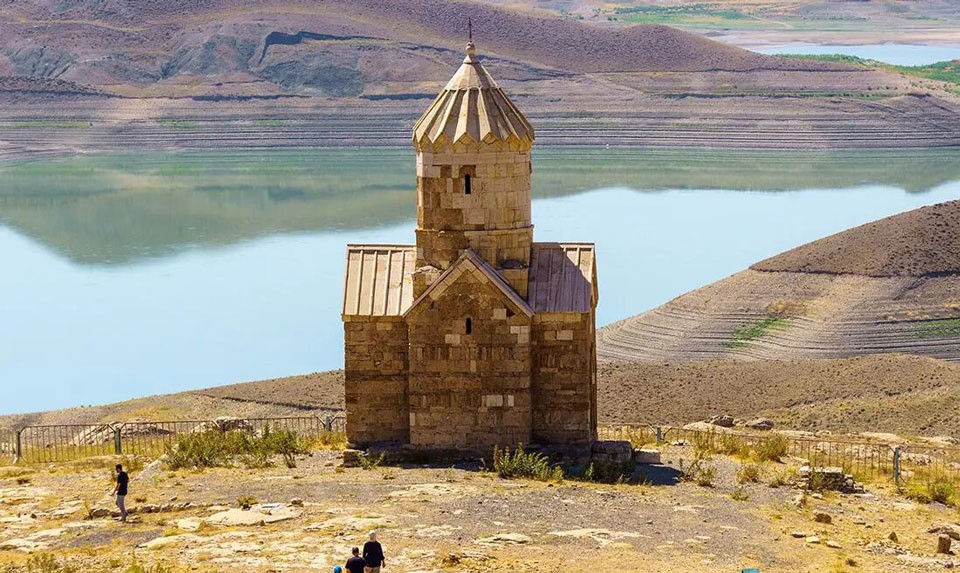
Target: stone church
point(475, 336)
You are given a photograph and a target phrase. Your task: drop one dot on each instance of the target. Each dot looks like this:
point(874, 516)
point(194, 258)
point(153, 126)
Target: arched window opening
point(469, 325)
point(467, 186)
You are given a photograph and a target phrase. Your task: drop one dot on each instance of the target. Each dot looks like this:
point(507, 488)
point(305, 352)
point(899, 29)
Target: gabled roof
point(470, 262)
point(472, 107)
point(563, 277)
point(378, 280)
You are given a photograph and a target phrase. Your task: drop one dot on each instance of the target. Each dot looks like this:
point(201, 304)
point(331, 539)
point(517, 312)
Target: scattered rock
point(223, 424)
point(813, 539)
point(943, 544)
point(799, 534)
point(296, 502)
point(642, 456)
point(724, 421)
point(189, 524)
point(827, 478)
point(833, 544)
point(883, 437)
point(257, 515)
point(351, 458)
point(940, 440)
point(611, 451)
point(100, 513)
point(603, 537)
point(505, 539)
point(948, 529)
point(702, 427)
point(822, 517)
point(161, 542)
point(894, 537)
point(764, 424)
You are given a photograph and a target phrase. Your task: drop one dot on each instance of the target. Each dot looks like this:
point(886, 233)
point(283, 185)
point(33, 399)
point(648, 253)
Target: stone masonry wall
point(375, 373)
point(564, 378)
point(493, 219)
point(471, 390)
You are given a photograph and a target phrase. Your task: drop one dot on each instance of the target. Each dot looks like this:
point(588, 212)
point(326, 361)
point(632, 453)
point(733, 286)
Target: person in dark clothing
point(373, 554)
point(356, 564)
point(121, 491)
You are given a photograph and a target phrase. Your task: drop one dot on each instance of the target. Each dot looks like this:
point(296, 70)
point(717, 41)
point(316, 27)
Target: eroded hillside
point(191, 74)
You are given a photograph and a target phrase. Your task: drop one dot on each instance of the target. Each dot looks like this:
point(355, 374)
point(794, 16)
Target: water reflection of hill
point(114, 209)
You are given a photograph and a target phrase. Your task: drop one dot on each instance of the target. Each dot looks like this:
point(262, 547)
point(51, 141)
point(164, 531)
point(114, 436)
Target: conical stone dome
point(472, 109)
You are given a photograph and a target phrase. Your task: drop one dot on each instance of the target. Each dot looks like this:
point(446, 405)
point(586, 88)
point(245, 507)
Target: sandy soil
point(459, 519)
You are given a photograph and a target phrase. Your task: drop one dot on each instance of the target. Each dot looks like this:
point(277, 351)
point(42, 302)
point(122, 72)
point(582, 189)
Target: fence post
point(659, 435)
point(327, 422)
point(896, 465)
point(18, 451)
point(117, 445)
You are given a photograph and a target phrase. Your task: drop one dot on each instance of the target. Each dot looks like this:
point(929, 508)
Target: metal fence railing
point(66, 442)
point(864, 459)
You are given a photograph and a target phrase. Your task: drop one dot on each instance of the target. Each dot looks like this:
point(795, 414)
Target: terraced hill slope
point(111, 74)
point(888, 286)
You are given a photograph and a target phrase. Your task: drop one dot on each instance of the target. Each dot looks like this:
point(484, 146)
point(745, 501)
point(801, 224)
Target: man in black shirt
point(373, 554)
point(356, 564)
point(121, 491)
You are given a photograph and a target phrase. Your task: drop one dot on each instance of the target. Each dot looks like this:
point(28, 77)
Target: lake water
point(897, 54)
point(129, 275)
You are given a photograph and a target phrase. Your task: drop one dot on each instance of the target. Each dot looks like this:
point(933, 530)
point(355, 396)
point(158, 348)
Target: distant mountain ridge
point(351, 43)
point(98, 75)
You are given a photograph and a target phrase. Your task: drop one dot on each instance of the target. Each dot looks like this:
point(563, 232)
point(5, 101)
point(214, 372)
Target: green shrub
point(697, 472)
point(939, 491)
point(520, 464)
point(370, 462)
point(772, 448)
point(749, 473)
point(607, 472)
point(782, 477)
point(739, 494)
point(47, 563)
point(942, 491)
point(732, 446)
point(217, 449)
point(703, 444)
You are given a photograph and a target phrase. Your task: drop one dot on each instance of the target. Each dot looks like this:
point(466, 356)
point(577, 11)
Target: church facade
point(475, 336)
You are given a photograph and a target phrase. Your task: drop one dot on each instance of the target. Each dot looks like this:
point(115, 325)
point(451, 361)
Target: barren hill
point(920, 243)
point(109, 74)
point(888, 286)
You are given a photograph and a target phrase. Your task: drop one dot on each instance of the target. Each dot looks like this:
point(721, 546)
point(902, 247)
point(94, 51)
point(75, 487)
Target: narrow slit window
point(469, 325)
point(467, 185)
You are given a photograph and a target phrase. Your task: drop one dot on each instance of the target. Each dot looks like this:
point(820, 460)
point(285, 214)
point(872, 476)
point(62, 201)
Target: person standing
point(373, 557)
point(356, 564)
point(121, 491)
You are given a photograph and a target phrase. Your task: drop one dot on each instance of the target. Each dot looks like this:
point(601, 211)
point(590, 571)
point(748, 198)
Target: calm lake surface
point(129, 275)
point(897, 54)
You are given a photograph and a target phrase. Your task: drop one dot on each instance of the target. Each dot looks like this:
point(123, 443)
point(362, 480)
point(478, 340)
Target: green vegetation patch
point(663, 14)
point(938, 328)
point(45, 123)
point(745, 334)
point(218, 449)
point(941, 71)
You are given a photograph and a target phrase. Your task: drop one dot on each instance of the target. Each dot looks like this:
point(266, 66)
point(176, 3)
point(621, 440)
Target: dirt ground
point(458, 519)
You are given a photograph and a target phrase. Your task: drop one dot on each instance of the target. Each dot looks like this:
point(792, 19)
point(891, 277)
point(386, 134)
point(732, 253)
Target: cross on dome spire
point(471, 48)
